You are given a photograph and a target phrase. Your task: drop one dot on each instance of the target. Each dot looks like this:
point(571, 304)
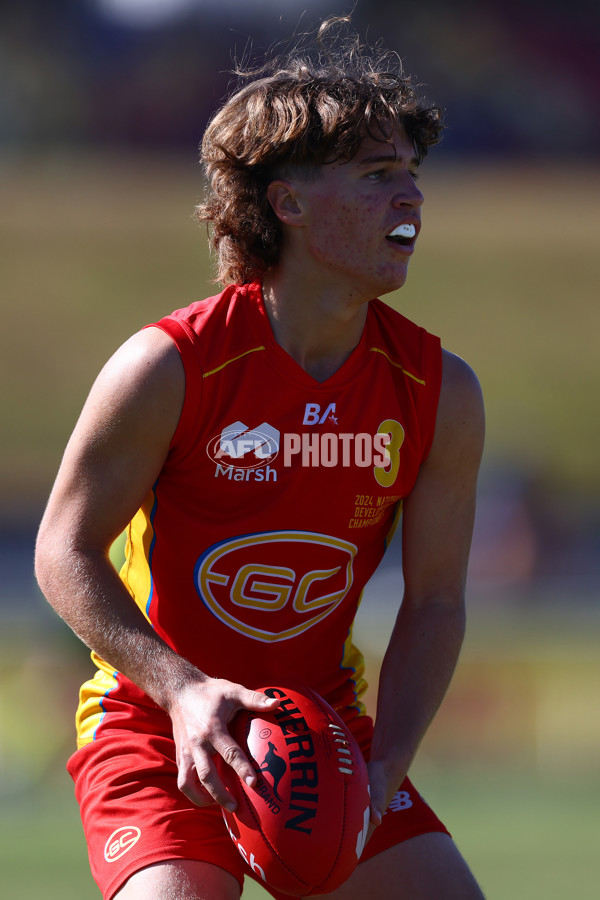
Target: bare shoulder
point(149, 356)
point(460, 422)
point(459, 382)
point(145, 380)
point(120, 441)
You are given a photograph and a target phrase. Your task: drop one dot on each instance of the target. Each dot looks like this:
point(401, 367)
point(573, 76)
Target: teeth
point(407, 231)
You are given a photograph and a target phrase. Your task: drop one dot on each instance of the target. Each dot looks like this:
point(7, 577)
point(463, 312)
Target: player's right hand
point(201, 712)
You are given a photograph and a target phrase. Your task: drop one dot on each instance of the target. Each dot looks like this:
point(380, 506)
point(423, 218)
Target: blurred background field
point(100, 115)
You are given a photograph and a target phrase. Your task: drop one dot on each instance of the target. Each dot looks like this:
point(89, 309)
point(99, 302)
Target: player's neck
point(318, 327)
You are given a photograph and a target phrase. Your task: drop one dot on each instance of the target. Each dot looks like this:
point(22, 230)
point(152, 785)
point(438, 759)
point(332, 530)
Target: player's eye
point(378, 175)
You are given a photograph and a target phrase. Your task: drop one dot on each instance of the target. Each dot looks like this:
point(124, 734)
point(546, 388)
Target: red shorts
point(134, 814)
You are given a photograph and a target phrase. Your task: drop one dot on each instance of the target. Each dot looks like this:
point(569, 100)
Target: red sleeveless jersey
point(277, 499)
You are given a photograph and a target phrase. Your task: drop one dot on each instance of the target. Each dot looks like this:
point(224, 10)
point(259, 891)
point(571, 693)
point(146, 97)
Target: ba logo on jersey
point(313, 415)
point(244, 447)
point(276, 585)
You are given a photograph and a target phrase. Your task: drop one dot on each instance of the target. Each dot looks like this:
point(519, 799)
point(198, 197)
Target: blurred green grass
point(93, 249)
point(526, 838)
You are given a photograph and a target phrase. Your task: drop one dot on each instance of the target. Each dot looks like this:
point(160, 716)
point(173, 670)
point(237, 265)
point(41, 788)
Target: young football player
point(260, 447)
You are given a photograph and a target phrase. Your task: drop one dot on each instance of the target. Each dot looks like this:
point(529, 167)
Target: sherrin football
point(303, 826)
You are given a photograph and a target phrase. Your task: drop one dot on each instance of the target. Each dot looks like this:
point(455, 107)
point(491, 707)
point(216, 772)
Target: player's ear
point(285, 202)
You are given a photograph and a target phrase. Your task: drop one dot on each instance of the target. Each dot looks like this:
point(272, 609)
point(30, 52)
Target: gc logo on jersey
point(275, 585)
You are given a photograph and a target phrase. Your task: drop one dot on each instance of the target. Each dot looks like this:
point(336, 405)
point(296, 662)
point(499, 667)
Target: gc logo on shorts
point(120, 842)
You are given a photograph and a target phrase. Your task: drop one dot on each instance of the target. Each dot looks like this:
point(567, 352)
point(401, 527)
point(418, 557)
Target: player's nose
point(407, 193)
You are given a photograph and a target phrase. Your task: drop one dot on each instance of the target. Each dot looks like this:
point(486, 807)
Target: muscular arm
point(426, 640)
point(113, 458)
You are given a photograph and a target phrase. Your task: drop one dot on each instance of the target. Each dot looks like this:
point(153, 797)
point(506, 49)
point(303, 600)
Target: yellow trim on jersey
point(398, 365)
point(353, 659)
point(233, 359)
point(394, 525)
point(90, 711)
point(135, 573)
point(137, 578)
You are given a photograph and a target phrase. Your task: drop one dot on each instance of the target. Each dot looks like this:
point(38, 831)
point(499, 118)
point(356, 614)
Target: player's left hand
point(383, 784)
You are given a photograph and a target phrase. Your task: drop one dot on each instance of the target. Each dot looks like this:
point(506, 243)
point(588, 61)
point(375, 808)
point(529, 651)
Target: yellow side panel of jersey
point(136, 572)
point(354, 660)
point(137, 577)
point(90, 711)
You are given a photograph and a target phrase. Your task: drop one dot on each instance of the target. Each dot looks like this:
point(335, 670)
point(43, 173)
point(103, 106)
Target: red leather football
point(303, 826)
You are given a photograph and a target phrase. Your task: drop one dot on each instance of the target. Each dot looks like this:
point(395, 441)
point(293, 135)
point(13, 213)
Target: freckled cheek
point(344, 230)
point(334, 236)
point(340, 246)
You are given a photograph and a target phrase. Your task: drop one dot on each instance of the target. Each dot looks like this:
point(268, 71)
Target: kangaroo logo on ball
point(275, 766)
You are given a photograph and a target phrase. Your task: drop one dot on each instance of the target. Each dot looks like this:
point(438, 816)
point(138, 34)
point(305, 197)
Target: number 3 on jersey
point(387, 475)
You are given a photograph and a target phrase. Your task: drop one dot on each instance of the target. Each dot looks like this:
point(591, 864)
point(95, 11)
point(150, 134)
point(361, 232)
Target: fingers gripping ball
point(303, 826)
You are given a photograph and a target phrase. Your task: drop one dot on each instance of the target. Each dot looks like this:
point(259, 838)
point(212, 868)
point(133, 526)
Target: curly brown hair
point(312, 106)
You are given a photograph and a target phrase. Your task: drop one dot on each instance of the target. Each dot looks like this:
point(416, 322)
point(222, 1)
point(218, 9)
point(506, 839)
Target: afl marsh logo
point(275, 585)
point(243, 447)
point(120, 842)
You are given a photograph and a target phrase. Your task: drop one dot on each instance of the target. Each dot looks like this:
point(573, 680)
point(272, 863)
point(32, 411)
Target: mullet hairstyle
point(300, 111)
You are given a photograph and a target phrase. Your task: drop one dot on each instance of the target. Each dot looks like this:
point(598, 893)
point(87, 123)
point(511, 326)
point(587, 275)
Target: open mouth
point(403, 235)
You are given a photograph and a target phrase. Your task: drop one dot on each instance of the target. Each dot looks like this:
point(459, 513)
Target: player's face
point(352, 211)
